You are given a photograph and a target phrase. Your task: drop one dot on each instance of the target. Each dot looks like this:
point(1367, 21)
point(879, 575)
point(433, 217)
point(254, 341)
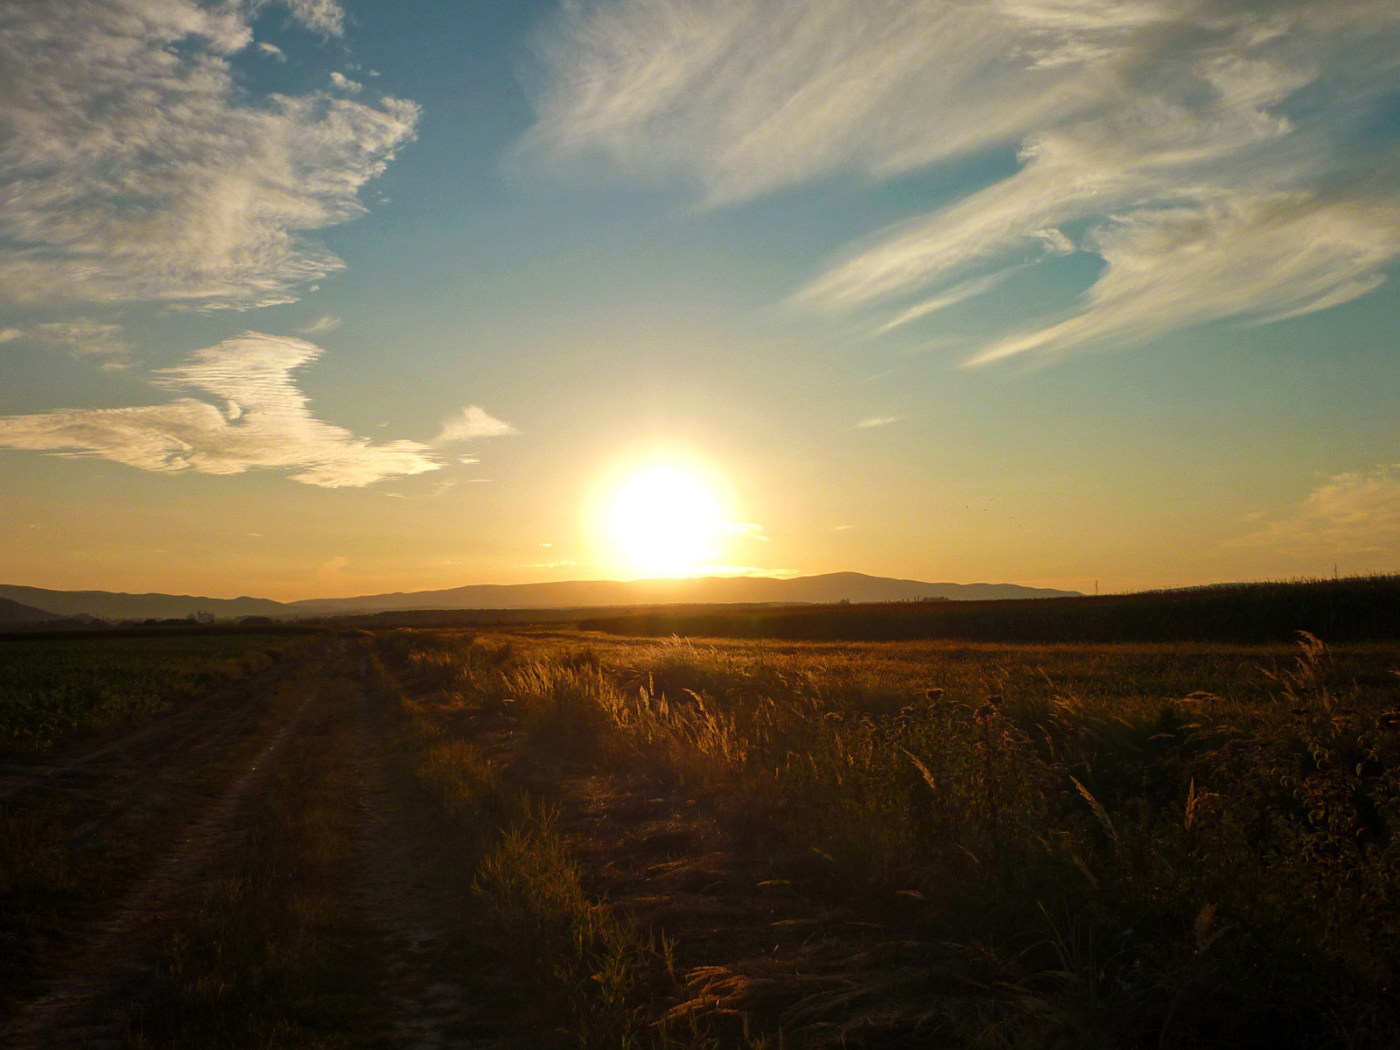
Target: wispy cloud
point(876, 421)
point(469, 424)
point(957, 294)
point(745, 96)
point(134, 166)
point(1214, 155)
point(254, 417)
point(82, 337)
point(326, 323)
point(322, 16)
point(1357, 513)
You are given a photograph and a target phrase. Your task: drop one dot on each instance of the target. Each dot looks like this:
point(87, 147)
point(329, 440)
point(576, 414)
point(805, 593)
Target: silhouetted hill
point(13, 612)
point(109, 605)
point(713, 590)
point(710, 590)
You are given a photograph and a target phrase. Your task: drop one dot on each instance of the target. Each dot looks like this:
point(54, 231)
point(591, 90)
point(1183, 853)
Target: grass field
point(53, 688)
point(976, 845)
point(542, 837)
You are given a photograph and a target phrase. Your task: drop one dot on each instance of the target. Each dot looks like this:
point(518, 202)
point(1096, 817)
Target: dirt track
point(124, 779)
point(190, 777)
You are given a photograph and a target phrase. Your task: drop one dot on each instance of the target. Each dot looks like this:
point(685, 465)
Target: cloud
point(80, 337)
point(273, 50)
point(745, 529)
point(134, 165)
point(469, 424)
point(876, 421)
point(322, 16)
point(746, 96)
point(84, 338)
point(957, 294)
point(1217, 157)
point(252, 417)
point(1356, 513)
point(1261, 256)
point(326, 323)
point(343, 83)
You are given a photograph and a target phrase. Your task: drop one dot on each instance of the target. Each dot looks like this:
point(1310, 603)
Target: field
point(52, 688)
point(535, 837)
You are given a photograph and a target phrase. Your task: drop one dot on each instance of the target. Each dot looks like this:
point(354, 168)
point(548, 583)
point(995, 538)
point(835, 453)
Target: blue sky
point(316, 298)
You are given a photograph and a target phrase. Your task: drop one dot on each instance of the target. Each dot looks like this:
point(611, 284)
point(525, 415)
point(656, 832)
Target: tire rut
point(428, 1005)
point(118, 951)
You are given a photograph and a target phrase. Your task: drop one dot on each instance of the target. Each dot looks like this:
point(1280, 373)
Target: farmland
point(554, 837)
point(56, 687)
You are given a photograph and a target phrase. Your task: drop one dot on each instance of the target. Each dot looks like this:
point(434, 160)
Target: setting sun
point(664, 521)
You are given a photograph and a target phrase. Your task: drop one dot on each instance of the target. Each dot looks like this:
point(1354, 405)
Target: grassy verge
point(269, 957)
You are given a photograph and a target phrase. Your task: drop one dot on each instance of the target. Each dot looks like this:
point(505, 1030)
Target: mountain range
point(830, 587)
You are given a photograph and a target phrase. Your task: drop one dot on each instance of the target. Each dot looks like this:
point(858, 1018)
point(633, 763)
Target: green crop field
point(53, 688)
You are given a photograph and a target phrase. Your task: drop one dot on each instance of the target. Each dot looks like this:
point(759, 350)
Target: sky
point(317, 298)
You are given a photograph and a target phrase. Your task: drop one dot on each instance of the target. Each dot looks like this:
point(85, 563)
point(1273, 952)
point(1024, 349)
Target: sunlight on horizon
point(664, 521)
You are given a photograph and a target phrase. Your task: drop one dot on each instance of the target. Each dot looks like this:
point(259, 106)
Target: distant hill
point(832, 587)
point(709, 590)
point(109, 605)
point(14, 612)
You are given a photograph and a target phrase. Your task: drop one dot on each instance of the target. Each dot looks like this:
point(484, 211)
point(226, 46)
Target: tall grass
point(601, 979)
point(1156, 846)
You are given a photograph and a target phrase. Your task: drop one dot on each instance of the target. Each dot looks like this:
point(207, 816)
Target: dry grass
point(1002, 846)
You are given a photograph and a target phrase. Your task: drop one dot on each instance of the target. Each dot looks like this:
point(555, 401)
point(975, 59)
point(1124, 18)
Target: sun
point(664, 521)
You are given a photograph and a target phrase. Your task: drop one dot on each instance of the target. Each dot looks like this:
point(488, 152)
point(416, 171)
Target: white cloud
point(134, 167)
point(471, 423)
point(1356, 513)
point(325, 323)
point(323, 16)
point(341, 82)
point(876, 421)
point(957, 294)
point(1162, 135)
point(273, 50)
point(745, 96)
point(326, 17)
point(256, 418)
point(1261, 256)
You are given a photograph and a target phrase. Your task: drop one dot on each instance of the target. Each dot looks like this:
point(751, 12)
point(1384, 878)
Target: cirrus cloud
point(133, 165)
point(1219, 157)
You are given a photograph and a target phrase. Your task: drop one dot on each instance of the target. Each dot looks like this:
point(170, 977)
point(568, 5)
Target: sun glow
point(665, 522)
